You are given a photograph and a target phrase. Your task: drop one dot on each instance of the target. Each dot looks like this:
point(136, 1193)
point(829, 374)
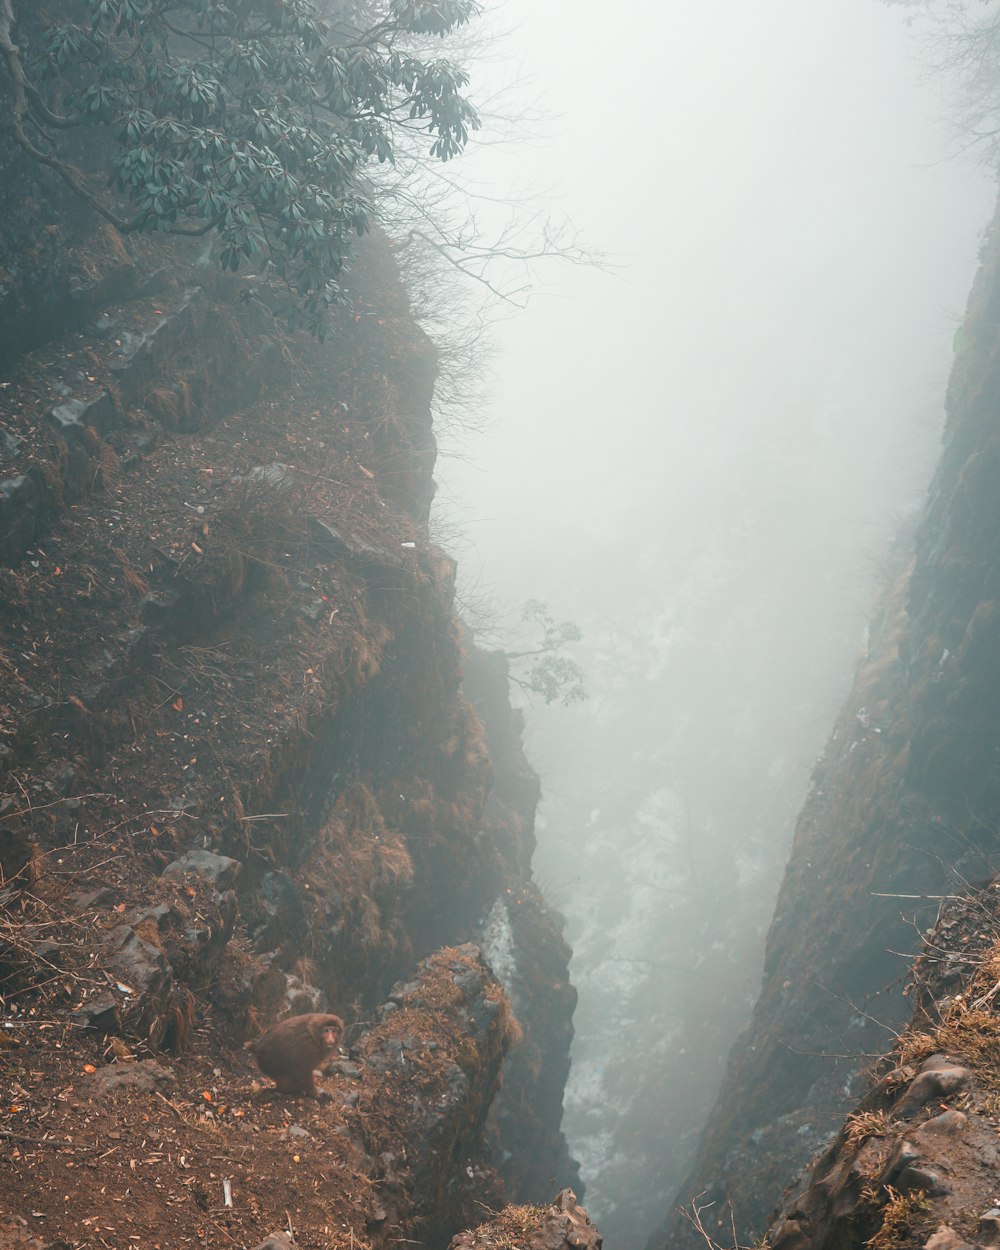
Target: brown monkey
point(290, 1050)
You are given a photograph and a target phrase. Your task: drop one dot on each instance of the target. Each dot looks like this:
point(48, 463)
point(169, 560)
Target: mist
point(701, 457)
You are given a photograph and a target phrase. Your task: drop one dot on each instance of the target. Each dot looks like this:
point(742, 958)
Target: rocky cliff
point(902, 814)
point(239, 774)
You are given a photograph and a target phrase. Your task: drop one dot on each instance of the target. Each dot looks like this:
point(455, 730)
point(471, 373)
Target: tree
point(250, 119)
point(960, 42)
point(551, 672)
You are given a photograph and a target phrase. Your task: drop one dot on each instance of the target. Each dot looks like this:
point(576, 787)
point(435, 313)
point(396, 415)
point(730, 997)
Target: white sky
point(770, 177)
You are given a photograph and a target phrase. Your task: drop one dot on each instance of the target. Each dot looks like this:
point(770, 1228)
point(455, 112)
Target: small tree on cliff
point(251, 119)
point(546, 669)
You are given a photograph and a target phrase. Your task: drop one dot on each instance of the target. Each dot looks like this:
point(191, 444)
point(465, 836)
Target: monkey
point(290, 1050)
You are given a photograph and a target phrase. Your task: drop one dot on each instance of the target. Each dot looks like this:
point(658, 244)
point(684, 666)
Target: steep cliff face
point(238, 774)
point(903, 810)
point(523, 939)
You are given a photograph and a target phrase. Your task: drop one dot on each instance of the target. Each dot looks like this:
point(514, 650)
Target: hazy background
point(701, 459)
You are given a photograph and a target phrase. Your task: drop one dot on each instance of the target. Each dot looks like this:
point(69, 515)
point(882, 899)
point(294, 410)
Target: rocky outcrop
point(523, 939)
point(915, 1161)
point(564, 1225)
point(902, 811)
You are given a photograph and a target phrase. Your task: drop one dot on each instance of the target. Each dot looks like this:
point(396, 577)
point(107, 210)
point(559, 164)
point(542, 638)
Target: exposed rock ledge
point(916, 1161)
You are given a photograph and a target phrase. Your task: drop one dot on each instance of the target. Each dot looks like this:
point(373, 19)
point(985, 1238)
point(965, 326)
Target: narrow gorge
point(254, 763)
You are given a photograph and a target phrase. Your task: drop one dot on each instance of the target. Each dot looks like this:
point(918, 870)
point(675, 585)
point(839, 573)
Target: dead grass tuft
point(913, 1046)
point(901, 1216)
point(865, 1124)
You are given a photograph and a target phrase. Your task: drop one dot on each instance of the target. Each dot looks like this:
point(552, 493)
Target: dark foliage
point(251, 119)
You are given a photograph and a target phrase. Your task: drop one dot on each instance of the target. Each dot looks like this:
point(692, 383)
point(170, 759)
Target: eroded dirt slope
point(238, 776)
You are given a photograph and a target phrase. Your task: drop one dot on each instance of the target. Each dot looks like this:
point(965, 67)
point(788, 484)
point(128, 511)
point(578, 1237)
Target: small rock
point(901, 1158)
point(923, 1179)
point(22, 505)
point(948, 1122)
point(989, 1226)
point(223, 872)
point(343, 1067)
point(945, 1238)
point(933, 1083)
point(276, 1241)
point(790, 1236)
point(313, 609)
point(99, 1013)
point(67, 775)
point(10, 443)
point(933, 1062)
point(283, 916)
point(277, 475)
point(296, 1130)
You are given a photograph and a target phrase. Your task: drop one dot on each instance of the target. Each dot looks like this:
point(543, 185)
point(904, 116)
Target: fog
point(701, 457)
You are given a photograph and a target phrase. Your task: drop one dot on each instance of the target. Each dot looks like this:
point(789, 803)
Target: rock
point(902, 1157)
point(276, 1241)
point(923, 1179)
point(70, 419)
point(142, 355)
point(23, 505)
point(933, 1062)
point(284, 918)
point(10, 443)
point(144, 1077)
point(948, 1123)
point(65, 778)
point(343, 1067)
point(945, 1238)
point(145, 981)
point(159, 608)
point(301, 998)
point(790, 1236)
point(14, 1235)
point(565, 1225)
point(99, 1013)
point(364, 556)
point(223, 872)
point(276, 475)
point(933, 1083)
point(313, 610)
point(989, 1226)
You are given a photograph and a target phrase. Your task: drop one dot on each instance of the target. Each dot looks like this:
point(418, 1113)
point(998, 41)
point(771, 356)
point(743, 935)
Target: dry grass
point(973, 1034)
point(865, 1124)
point(513, 1226)
point(900, 1216)
point(913, 1046)
point(991, 963)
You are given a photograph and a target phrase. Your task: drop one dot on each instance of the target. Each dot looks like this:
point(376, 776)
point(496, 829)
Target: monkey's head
point(332, 1033)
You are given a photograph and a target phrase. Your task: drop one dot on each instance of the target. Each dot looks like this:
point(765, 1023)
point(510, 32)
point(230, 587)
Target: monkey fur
point(291, 1049)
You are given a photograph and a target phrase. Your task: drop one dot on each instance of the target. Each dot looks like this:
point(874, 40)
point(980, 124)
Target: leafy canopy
point(249, 118)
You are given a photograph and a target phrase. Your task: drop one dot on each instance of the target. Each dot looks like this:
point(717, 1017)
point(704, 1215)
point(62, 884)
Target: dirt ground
point(129, 740)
